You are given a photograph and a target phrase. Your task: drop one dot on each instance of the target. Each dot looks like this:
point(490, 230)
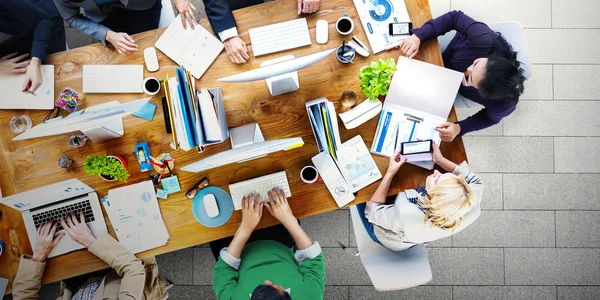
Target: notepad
point(195, 49)
point(14, 98)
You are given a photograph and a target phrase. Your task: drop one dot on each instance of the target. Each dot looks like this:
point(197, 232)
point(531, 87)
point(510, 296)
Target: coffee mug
point(344, 25)
point(309, 174)
point(151, 86)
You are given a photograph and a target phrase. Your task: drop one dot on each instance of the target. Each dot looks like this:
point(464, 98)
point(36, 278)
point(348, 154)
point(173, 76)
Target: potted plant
point(376, 78)
point(109, 167)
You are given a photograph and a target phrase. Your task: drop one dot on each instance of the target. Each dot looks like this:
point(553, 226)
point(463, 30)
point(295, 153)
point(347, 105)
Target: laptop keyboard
point(61, 212)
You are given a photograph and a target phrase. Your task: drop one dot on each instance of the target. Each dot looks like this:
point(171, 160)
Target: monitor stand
point(283, 83)
point(106, 131)
point(246, 135)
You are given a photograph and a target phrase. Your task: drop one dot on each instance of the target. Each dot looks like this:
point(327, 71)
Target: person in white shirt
point(448, 204)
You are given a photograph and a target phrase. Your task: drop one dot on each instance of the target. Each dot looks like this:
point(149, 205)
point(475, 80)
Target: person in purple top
point(493, 77)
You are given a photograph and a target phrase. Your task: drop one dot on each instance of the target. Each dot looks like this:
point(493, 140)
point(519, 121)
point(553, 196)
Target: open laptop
point(55, 201)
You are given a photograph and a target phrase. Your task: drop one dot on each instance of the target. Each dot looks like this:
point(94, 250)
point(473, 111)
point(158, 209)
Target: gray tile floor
point(537, 237)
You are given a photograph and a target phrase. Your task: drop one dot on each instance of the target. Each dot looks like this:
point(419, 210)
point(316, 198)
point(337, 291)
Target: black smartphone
point(416, 147)
point(400, 28)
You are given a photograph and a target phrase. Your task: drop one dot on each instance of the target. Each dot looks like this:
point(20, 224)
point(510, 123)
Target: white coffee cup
point(346, 24)
point(309, 170)
point(151, 86)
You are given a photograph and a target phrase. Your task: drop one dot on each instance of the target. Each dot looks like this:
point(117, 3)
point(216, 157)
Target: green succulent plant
point(107, 166)
point(376, 78)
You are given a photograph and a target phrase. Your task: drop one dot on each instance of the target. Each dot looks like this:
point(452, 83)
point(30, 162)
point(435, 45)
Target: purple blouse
point(473, 40)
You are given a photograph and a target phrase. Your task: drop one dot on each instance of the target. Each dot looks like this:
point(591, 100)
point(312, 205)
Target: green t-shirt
point(269, 260)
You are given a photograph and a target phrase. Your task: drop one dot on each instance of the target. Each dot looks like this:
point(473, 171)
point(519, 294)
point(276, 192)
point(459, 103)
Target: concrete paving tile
point(336, 292)
point(329, 229)
point(564, 46)
point(510, 154)
point(466, 266)
point(578, 292)
point(552, 191)
point(552, 266)
point(577, 228)
point(497, 228)
point(556, 118)
point(504, 292)
point(577, 82)
point(575, 14)
point(420, 292)
point(177, 266)
point(203, 264)
point(76, 38)
point(577, 154)
point(342, 268)
point(531, 14)
point(192, 292)
point(539, 85)
point(463, 113)
point(492, 191)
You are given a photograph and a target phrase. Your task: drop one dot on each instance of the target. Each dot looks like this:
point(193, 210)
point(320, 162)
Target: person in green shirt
point(259, 267)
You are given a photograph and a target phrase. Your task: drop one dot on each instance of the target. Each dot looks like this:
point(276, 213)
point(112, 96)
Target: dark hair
point(268, 292)
point(503, 75)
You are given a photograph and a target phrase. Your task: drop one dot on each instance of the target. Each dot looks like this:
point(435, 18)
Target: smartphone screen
point(399, 28)
point(416, 147)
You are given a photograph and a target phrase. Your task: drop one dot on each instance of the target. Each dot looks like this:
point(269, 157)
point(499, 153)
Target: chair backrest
point(167, 14)
point(390, 270)
point(514, 35)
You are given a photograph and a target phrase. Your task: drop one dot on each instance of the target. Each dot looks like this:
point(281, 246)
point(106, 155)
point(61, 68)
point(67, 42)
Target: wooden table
point(25, 165)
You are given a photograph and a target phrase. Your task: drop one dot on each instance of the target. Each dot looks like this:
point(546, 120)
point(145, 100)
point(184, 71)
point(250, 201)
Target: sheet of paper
point(356, 164)
point(375, 16)
point(14, 98)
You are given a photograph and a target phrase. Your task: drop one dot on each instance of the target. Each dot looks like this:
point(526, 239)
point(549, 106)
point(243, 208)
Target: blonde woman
point(448, 204)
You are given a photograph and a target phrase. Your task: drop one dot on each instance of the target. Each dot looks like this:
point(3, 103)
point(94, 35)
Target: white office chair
point(390, 270)
point(514, 35)
point(167, 14)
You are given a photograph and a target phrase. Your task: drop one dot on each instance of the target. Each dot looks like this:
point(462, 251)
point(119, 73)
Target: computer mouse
point(151, 59)
point(322, 31)
point(210, 205)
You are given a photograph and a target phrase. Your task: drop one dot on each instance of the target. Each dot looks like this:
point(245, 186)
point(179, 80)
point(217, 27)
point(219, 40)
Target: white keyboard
point(259, 185)
point(113, 78)
point(279, 37)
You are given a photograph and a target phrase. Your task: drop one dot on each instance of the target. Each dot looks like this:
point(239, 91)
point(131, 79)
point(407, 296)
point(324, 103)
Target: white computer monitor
point(94, 122)
point(280, 73)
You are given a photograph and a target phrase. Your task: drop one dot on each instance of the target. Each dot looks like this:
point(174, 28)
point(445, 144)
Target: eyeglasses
point(199, 186)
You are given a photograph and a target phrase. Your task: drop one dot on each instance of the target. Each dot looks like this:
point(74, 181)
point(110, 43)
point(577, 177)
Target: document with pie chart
point(376, 15)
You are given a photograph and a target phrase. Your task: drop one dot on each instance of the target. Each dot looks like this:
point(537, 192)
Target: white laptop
point(55, 201)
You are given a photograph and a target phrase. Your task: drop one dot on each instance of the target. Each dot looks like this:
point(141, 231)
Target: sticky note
point(171, 184)
point(146, 112)
point(160, 193)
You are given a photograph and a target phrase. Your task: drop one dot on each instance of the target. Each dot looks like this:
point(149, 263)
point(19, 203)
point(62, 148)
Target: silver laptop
point(55, 201)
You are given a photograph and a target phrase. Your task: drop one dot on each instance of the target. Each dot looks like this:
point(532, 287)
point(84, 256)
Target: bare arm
point(396, 161)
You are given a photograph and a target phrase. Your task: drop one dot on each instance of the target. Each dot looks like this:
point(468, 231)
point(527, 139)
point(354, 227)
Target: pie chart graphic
point(381, 10)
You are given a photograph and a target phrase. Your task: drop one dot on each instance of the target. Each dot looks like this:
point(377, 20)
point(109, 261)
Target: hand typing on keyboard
point(279, 207)
point(45, 241)
point(251, 212)
point(236, 49)
point(78, 229)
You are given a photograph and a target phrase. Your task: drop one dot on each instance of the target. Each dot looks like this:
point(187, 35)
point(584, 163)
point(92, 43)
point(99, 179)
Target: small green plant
point(109, 167)
point(376, 78)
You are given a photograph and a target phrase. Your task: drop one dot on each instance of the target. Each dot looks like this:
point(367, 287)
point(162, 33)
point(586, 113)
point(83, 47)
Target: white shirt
point(228, 33)
point(401, 225)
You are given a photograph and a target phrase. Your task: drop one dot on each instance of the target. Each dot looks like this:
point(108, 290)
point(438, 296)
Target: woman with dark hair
point(493, 77)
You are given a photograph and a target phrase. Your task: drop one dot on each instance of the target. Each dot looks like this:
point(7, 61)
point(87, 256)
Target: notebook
point(195, 49)
point(14, 98)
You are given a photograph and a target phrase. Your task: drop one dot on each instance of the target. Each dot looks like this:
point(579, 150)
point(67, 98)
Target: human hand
point(410, 46)
point(279, 207)
point(236, 48)
point(77, 229)
point(12, 65)
point(448, 131)
point(46, 239)
point(396, 161)
point(122, 42)
point(436, 154)
point(33, 77)
point(186, 10)
point(251, 211)
point(308, 6)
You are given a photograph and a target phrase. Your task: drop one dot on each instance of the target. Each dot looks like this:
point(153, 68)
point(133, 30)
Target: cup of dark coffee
point(151, 86)
point(309, 174)
point(344, 25)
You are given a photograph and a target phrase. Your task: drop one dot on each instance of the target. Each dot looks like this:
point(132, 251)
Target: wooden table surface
point(29, 164)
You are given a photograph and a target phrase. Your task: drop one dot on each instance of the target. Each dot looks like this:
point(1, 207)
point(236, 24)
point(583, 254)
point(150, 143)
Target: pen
point(396, 141)
point(29, 92)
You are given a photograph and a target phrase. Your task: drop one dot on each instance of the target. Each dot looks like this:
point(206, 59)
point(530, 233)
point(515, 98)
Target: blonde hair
point(448, 202)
